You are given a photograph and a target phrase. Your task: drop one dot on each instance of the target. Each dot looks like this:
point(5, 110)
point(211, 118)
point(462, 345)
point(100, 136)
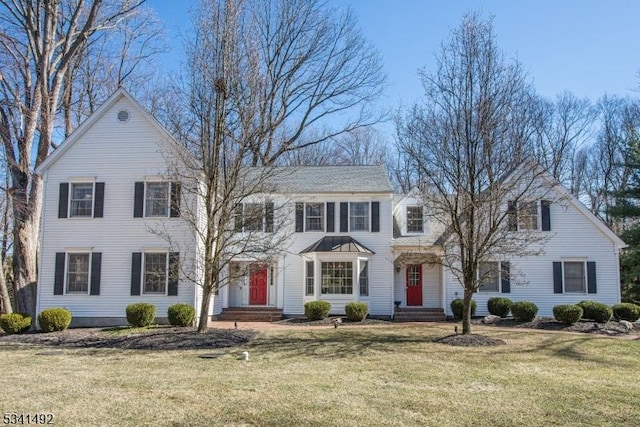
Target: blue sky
point(587, 47)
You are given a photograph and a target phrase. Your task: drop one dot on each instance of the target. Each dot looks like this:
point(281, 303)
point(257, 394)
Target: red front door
point(258, 286)
point(414, 284)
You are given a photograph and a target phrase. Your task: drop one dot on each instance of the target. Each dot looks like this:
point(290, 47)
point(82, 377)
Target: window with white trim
point(574, 273)
point(528, 216)
point(359, 216)
point(363, 278)
point(337, 278)
point(489, 276)
point(415, 219)
point(77, 277)
point(310, 285)
point(81, 200)
point(157, 199)
point(253, 217)
point(155, 273)
point(314, 216)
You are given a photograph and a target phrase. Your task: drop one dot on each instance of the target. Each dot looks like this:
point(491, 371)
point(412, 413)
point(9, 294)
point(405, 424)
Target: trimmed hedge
point(457, 307)
point(567, 313)
point(317, 310)
point(356, 311)
point(499, 306)
point(626, 311)
point(54, 319)
point(524, 311)
point(181, 314)
point(596, 311)
point(15, 323)
point(141, 314)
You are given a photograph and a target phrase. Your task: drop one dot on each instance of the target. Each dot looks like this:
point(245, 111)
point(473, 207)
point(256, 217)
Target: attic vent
point(123, 115)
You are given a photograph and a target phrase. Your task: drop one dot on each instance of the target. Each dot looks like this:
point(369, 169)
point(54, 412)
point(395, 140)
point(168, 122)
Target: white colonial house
point(349, 238)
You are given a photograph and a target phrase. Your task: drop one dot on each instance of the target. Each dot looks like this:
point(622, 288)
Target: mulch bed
point(470, 340)
point(160, 338)
point(611, 328)
point(330, 321)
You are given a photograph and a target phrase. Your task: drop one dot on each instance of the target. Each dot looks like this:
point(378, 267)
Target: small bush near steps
point(317, 310)
point(54, 319)
point(15, 323)
point(596, 311)
point(568, 314)
point(141, 314)
point(356, 311)
point(181, 315)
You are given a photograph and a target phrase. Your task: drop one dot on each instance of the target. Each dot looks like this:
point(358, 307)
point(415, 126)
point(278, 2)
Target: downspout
point(619, 287)
point(284, 276)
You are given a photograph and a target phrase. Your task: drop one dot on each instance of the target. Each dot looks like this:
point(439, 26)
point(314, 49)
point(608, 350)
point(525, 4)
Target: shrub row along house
point(348, 238)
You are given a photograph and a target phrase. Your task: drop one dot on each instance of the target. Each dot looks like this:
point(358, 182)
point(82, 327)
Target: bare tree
point(39, 41)
point(461, 142)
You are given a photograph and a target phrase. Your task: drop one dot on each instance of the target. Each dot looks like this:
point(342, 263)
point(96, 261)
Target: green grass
point(348, 376)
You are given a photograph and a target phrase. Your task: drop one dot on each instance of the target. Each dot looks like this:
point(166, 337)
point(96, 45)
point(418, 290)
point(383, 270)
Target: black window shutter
point(136, 270)
point(557, 277)
point(268, 217)
point(63, 200)
point(96, 268)
point(58, 278)
point(98, 204)
point(299, 217)
point(238, 218)
point(174, 272)
point(331, 217)
point(175, 200)
point(505, 271)
point(344, 217)
point(138, 200)
point(592, 286)
point(545, 208)
point(375, 217)
point(512, 213)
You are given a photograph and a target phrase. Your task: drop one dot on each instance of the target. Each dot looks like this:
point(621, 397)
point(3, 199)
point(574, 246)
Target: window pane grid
point(78, 273)
point(413, 275)
point(309, 279)
point(253, 217)
point(488, 274)
point(314, 213)
point(155, 273)
point(359, 216)
point(157, 199)
point(415, 219)
point(528, 216)
point(81, 200)
point(337, 278)
point(364, 278)
point(574, 277)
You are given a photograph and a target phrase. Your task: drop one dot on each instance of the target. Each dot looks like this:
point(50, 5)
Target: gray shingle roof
point(337, 244)
point(331, 179)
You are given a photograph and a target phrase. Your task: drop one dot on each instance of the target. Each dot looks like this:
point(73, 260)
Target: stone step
point(419, 315)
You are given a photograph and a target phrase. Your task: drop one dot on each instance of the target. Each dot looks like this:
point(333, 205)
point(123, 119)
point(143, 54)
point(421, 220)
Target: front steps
point(418, 314)
point(250, 314)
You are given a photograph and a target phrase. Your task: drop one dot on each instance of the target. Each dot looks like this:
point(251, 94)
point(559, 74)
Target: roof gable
point(94, 118)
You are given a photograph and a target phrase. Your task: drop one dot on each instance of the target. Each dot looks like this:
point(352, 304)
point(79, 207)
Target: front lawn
point(385, 375)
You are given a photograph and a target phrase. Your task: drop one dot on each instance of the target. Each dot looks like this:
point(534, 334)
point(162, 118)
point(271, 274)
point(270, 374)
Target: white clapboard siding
point(573, 236)
point(118, 154)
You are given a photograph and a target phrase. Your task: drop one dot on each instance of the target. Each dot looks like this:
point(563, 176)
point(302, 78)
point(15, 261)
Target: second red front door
point(258, 286)
point(414, 284)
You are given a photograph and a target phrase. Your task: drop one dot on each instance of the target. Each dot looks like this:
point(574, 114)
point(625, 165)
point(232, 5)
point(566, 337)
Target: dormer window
point(415, 219)
point(528, 216)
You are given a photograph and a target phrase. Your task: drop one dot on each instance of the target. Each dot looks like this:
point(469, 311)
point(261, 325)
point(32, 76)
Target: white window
point(415, 220)
point(81, 204)
point(310, 279)
point(489, 276)
point(363, 278)
point(157, 199)
point(337, 278)
point(155, 273)
point(528, 216)
point(78, 268)
point(359, 216)
point(314, 216)
point(253, 217)
point(574, 276)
